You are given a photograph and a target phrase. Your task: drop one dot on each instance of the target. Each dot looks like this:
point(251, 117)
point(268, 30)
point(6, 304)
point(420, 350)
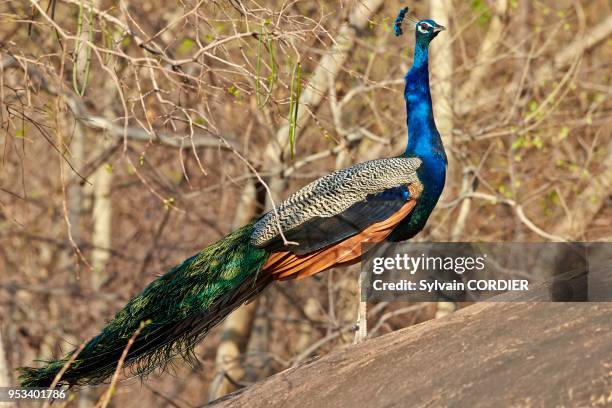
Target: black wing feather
point(320, 232)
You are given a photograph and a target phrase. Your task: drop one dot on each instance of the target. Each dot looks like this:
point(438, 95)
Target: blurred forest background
point(135, 133)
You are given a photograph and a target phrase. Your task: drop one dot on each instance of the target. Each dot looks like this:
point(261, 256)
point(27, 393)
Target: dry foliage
point(153, 116)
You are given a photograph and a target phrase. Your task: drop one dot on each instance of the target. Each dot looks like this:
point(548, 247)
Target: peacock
point(383, 199)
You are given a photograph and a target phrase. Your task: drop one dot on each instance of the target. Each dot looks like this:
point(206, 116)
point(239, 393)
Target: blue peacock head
point(426, 30)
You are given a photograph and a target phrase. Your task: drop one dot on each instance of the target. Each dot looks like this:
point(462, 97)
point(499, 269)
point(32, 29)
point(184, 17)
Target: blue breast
point(424, 142)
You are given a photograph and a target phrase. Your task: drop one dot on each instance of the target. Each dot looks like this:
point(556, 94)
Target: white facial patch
point(424, 27)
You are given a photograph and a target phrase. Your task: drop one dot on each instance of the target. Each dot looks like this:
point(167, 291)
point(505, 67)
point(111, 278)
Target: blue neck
point(424, 142)
point(424, 139)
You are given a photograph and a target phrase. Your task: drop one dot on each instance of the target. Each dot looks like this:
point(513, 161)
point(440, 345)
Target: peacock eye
point(424, 28)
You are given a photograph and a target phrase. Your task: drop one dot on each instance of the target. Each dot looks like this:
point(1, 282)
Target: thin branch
point(106, 397)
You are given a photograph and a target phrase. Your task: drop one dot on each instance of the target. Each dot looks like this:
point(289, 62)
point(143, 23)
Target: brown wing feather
point(286, 265)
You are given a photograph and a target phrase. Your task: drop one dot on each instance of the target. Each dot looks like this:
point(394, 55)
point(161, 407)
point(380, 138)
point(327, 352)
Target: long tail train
point(181, 306)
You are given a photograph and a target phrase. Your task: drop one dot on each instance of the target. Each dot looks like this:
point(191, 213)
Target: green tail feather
point(181, 305)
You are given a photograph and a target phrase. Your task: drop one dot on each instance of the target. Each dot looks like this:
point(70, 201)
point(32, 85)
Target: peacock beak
point(439, 28)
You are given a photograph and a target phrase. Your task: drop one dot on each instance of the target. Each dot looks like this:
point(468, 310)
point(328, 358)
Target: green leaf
point(518, 143)
point(533, 105)
point(537, 142)
point(185, 46)
point(80, 73)
point(234, 91)
point(294, 103)
point(481, 7)
point(503, 190)
point(258, 68)
point(264, 37)
point(553, 197)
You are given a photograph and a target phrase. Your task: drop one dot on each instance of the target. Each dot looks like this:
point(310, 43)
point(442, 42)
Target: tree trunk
point(5, 377)
point(442, 61)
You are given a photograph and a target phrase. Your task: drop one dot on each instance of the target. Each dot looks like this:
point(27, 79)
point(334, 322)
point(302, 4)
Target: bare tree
point(134, 134)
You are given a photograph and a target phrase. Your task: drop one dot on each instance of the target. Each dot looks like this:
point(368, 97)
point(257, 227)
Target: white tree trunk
point(5, 376)
point(102, 225)
point(441, 67)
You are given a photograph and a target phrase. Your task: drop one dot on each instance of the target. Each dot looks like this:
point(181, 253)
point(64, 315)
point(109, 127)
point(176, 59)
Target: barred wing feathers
point(338, 206)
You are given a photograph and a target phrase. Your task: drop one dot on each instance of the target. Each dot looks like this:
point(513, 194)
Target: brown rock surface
point(486, 355)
